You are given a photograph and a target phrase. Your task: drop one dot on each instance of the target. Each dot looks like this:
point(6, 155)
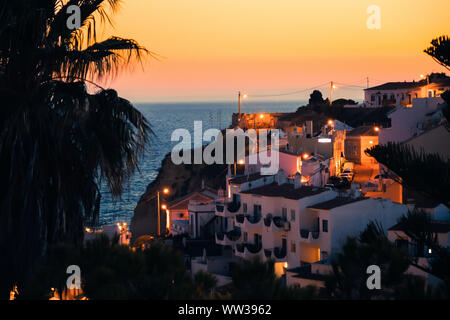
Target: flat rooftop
point(286, 190)
point(336, 202)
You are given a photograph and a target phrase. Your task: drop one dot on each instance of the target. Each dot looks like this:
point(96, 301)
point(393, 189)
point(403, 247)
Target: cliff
point(181, 180)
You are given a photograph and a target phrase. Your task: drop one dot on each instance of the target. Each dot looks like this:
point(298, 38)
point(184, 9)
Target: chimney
point(281, 177)
point(297, 180)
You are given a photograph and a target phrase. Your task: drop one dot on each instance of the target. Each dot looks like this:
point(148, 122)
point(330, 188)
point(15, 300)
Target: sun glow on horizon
point(210, 49)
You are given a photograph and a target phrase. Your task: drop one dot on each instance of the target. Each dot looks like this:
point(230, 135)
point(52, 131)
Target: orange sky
point(213, 48)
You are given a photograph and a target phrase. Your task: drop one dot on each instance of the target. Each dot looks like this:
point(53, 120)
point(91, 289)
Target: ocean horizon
point(164, 118)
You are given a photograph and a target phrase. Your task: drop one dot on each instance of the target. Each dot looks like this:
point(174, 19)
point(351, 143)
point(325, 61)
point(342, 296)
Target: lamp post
point(164, 191)
point(332, 86)
point(244, 96)
point(428, 82)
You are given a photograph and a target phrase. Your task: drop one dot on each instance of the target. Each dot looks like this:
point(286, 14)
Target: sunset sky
point(213, 48)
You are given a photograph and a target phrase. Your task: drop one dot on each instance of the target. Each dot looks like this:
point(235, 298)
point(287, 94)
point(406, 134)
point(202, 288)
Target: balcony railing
point(233, 206)
point(268, 220)
point(233, 235)
point(280, 253)
point(240, 218)
point(309, 235)
point(240, 247)
point(220, 235)
point(253, 219)
point(254, 248)
point(282, 223)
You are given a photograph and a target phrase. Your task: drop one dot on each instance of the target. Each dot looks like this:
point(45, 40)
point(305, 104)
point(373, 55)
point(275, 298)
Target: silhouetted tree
point(253, 279)
point(349, 277)
point(57, 138)
point(440, 51)
point(426, 173)
point(315, 98)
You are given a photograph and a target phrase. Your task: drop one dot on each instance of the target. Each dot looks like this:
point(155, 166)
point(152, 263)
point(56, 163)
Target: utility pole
point(159, 215)
point(331, 93)
point(239, 103)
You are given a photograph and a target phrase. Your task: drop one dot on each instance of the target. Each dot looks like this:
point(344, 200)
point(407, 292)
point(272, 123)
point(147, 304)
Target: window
point(292, 215)
point(257, 210)
point(244, 207)
point(284, 213)
point(325, 225)
point(292, 246)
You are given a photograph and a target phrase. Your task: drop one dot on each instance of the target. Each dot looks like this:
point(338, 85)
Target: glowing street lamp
point(376, 129)
point(244, 96)
point(164, 207)
point(305, 156)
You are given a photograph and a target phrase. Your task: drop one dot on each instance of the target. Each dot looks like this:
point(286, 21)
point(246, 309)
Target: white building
point(281, 219)
point(407, 122)
point(440, 226)
point(403, 93)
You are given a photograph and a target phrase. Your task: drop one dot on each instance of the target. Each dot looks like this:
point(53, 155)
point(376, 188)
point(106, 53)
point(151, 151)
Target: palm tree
point(58, 137)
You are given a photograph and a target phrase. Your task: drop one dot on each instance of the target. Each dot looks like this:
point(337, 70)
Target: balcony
point(233, 207)
point(279, 253)
point(248, 250)
point(248, 221)
point(268, 220)
point(309, 236)
point(268, 253)
point(280, 224)
point(240, 250)
point(228, 238)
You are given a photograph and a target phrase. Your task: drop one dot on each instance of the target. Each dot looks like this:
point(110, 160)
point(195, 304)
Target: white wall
point(404, 120)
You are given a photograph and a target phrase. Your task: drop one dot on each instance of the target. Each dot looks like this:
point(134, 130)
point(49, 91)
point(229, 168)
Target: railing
point(268, 253)
point(233, 206)
point(279, 253)
point(253, 219)
point(253, 248)
point(220, 235)
point(282, 223)
point(240, 218)
point(305, 234)
point(268, 220)
point(233, 235)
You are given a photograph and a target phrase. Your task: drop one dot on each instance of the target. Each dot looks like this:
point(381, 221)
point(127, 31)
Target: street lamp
point(164, 206)
point(244, 96)
point(332, 87)
point(428, 82)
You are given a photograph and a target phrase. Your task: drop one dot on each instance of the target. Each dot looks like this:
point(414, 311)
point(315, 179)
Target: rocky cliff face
point(181, 180)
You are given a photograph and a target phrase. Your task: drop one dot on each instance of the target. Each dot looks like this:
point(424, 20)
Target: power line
point(289, 93)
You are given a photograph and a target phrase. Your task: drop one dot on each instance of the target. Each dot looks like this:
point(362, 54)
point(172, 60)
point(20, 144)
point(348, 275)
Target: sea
point(164, 118)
